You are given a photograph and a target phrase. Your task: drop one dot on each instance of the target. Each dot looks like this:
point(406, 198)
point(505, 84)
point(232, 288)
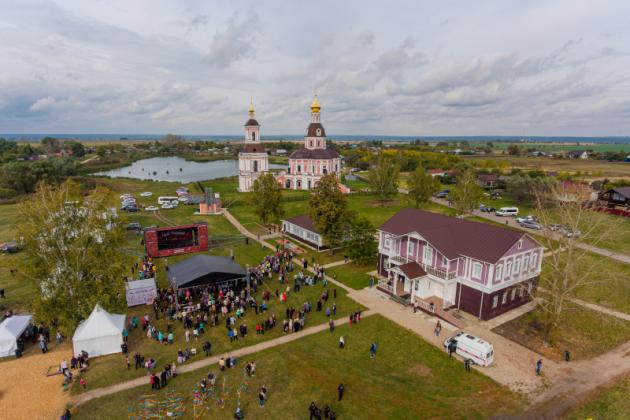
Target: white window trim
point(499, 272)
point(504, 298)
point(517, 267)
point(411, 247)
point(495, 301)
point(444, 261)
point(520, 244)
point(513, 294)
point(477, 267)
point(534, 261)
point(525, 263)
point(508, 269)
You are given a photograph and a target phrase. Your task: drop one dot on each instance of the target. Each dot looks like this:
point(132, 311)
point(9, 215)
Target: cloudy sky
point(380, 67)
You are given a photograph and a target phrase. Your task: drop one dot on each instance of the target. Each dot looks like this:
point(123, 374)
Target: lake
point(178, 169)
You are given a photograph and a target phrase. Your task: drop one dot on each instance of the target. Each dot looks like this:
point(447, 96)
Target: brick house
point(479, 268)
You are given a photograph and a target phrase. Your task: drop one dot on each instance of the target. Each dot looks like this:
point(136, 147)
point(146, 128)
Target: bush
point(7, 193)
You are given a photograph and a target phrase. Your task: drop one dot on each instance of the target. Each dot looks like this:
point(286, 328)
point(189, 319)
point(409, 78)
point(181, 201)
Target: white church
point(253, 159)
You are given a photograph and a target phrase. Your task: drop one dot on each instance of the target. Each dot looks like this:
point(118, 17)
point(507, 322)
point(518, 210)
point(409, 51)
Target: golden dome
point(251, 109)
point(315, 107)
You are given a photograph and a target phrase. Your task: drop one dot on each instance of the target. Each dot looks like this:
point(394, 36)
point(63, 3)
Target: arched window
point(309, 184)
point(299, 169)
point(255, 166)
point(319, 131)
point(287, 184)
point(299, 183)
point(325, 171)
point(253, 135)
point(310, 143)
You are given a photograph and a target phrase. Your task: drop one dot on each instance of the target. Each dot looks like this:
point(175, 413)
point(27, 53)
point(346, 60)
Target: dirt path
point(143, 381)
point(577, 380)
point(25, 390)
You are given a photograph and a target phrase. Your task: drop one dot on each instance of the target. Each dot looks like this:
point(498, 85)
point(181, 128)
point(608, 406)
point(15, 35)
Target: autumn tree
point(327, 209)
point(383, 178)
point(422, 186)
point(467, 193)
point(266, 199)
point(73, 252)
point(569, 267)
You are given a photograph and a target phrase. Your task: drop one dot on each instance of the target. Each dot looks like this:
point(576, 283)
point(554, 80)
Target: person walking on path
point(331, 325)
point(342, 342)
point(340, 390)
point(467, 365)
point(567, 356)
point(372, 350)
point(539, 367)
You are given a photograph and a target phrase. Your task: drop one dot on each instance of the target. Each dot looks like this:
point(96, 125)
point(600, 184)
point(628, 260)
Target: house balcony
point(397, 259)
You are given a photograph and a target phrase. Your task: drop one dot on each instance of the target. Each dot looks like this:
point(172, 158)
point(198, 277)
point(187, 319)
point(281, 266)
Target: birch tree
point(568, 266)
point(73, 247)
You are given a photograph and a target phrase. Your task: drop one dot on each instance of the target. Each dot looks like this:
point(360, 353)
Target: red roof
point(253, 148)
point(314, 154)
point(412, 270)
point(303, 221)
point(454, 237)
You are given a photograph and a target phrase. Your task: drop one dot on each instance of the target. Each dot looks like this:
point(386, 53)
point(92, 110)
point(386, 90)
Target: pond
point(178, 169)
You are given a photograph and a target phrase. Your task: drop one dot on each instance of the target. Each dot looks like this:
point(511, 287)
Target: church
point(253, 159)
point(308, 164)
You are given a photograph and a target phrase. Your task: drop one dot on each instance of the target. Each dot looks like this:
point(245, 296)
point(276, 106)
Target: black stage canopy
point(202, 270)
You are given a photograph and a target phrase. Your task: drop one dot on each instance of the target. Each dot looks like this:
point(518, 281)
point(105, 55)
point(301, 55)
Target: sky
point(405, 67)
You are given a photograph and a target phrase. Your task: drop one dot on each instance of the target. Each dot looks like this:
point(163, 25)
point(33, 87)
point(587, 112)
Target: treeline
point(407, 160)
point(18, 178)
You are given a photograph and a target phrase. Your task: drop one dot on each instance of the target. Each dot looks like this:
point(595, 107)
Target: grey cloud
point(234, 43)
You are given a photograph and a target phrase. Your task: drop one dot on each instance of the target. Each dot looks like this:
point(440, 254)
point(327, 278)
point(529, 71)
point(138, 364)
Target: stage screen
point(177, 238)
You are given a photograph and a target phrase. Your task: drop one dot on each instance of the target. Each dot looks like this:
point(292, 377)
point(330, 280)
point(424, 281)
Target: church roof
point(312, 130)
point(251, 122)
point(314, 154)
point(253, 148)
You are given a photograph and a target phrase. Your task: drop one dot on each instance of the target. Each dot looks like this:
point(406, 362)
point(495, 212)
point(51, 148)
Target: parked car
point(442, 194)
point(569, 233)
point(487, 209)
point(470, 347)
point(169, 206)
point(131, 208)
point(530, 225)
point(134, 226)
point(146, 194)
point(555, 227)
point(10, 247)
point(151, 208)
point(525, 219)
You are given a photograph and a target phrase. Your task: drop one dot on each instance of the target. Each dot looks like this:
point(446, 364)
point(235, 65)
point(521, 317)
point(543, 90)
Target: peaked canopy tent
point(10, 330)
point(100, 334)
point(203, 270)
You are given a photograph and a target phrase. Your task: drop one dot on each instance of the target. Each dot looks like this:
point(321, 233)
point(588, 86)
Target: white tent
point(100, 334)
point(10, 330)
point(141, 292)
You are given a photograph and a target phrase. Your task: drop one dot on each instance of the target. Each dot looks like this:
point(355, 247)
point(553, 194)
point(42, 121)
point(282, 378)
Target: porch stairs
point(404, 300)
point(425, 306)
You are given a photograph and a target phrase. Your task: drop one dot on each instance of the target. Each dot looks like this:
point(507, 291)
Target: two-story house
point(479, 268)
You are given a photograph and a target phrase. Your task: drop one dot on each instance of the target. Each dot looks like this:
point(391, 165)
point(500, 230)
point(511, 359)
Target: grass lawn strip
point(610, 402)
point(409, 378)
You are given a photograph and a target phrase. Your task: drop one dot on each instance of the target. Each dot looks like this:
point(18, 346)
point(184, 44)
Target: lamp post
point(248, 278)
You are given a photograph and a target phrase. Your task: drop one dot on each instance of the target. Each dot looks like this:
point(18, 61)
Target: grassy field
point(610, 402)
point(408, 379)
point(596, 168)
point(585, 333)
point(554, 147)
point(353, 275)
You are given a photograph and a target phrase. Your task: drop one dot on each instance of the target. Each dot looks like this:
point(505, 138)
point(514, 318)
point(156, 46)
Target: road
point(512, 223)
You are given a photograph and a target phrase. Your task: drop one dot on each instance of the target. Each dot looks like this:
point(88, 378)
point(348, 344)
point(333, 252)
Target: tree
point(266, 198)
point(383, 178)
point(467, 193)
point(73, 247)
point(77, 148)
point(422, 186)
point(513, 150)
point(101, 150)
point(523, 187)
point(360, 243)
point(570, 267)
point(51, 145)
point(327, 209)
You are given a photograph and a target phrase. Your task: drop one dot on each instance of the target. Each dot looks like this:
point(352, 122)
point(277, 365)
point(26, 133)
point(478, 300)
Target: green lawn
point(585, 333)
point(107, 370)
point(353, 275)
point(408, 379)
point(610, 403)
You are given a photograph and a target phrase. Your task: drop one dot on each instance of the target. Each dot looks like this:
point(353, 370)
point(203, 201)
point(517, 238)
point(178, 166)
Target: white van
point(507, 211)
point(168, 200)
point(470, 347)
